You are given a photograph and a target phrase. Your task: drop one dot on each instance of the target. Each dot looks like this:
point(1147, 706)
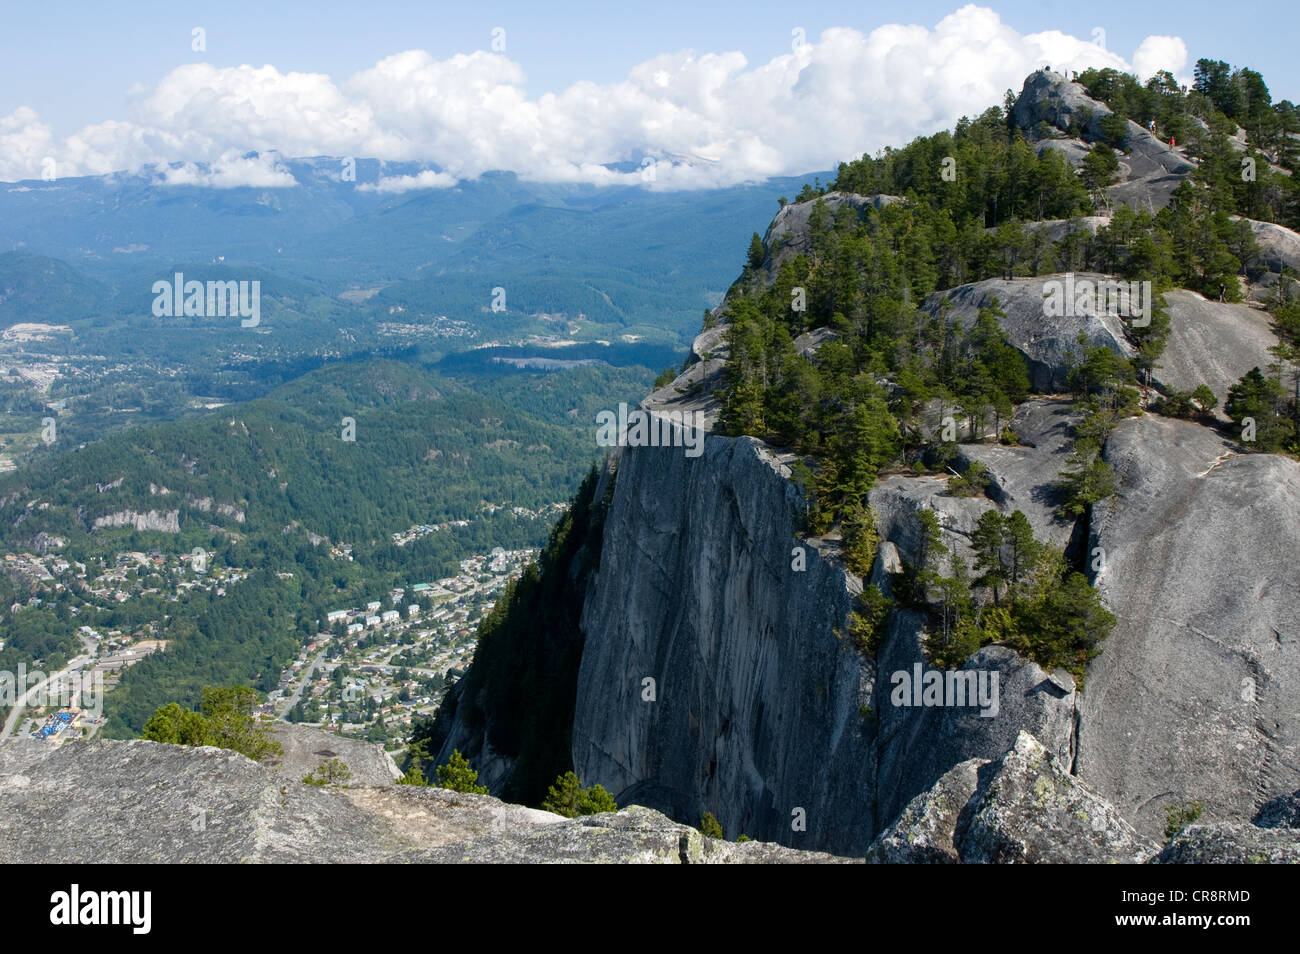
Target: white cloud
point(705, 119)
point(428, 179)
point(230, 171)
point(1157, 53)
point(25, 142)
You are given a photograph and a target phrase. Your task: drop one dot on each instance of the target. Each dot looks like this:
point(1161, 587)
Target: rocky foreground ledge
point(144, 802)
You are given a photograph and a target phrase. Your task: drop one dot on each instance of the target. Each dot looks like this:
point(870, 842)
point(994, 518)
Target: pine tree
point(567, 797)
point(861, 540)
point(1024, 549)
point(457, 776)
point(988, 540)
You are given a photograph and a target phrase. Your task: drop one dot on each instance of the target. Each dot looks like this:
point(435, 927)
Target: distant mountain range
point(628, 257)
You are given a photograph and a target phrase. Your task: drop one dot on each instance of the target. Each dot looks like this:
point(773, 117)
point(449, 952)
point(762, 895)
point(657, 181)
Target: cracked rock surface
point(1194, 696)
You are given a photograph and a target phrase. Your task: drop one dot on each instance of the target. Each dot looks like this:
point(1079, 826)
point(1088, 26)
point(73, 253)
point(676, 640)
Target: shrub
point(1178, 817)
point(972, 483)
point(329, 772)
point(867, 622)
point(709, 826)
point(413, 776)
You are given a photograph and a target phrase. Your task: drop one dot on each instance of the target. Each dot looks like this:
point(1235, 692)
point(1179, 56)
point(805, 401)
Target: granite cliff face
point(755, 709)
point(760, 708)
point(761, 712)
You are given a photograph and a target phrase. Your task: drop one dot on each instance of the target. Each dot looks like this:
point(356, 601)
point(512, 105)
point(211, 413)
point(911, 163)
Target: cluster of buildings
point(372, 670)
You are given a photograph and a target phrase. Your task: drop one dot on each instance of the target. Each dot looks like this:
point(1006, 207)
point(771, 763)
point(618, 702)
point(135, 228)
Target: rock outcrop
point(1032, 810)
point(1024, 807)
point(1279, 246)
point(157, 521)
point(1231, 844)
point(1048, 97)
point(1023, 476)
point(158, 803)
point(1195, 694)
point(789, 236)
point(1274, 838)
point(1045, 342)
point(1212, 343)
point(925, 832)
point(305, 748)
point(1050, 107)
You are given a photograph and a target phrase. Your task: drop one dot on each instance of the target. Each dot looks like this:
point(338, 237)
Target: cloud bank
point(682, 120)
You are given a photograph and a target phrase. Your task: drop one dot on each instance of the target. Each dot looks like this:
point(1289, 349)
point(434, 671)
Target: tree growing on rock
point(332, 771)
point(457, 776)
point(226, 719)
point(567, 797)
point(1258, 401)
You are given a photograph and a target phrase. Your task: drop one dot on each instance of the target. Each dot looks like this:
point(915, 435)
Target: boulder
point(305, 748)
point(1231, 844)
point(1279, 246)
point(925, 831)
point(1280, 812)
point(1029, 809)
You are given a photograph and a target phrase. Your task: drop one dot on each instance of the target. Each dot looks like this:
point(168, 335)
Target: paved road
point(302, 684)
point(15, 714)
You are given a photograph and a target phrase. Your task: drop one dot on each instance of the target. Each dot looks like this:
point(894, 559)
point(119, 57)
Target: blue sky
point(88, 63)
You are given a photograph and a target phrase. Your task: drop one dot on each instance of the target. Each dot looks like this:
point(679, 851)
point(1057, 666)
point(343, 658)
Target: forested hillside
point(272, 487)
